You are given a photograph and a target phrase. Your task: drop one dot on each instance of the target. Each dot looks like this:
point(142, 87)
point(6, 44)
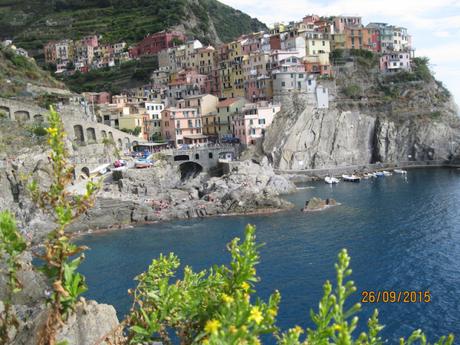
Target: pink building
point(310, 19)
point(182, 126)
point(395, 62)
point(152, 44)
point(91, 41)
point(251, 44)
point(250, 126)
point(98, 97)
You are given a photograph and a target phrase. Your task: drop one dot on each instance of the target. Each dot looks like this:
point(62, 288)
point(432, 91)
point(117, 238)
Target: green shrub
point(353, 91)
point(421, 69)
point(435, 115)
point(39, 131)
point(366, 54)
point(12, 245)
point(215, 306)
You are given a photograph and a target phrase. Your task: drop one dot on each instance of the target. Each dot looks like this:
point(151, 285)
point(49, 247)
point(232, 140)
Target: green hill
point(31, 23)
point(18, 71)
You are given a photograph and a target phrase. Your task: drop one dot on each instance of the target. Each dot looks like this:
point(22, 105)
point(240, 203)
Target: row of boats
point(357, 178)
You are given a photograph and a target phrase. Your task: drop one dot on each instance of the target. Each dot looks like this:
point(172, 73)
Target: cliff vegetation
point(17, 71)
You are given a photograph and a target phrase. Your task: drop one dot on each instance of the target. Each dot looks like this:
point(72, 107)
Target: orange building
point(357, 37)
point(182, 126)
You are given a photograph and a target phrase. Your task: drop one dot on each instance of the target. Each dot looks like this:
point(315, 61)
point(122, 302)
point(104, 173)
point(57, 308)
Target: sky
point(433, 24)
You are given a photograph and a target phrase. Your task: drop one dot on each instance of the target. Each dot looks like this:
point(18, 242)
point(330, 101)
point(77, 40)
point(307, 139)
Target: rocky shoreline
point(151, 195)
point(158, 194)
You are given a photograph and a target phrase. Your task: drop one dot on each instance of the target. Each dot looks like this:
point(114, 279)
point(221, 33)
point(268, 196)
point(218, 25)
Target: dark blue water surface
point(402, 234)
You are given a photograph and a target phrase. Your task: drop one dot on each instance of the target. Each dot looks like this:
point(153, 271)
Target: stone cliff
point(371, 118)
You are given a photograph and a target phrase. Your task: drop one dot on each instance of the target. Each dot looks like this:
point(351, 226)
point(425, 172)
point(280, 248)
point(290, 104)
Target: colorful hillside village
point(232, 92)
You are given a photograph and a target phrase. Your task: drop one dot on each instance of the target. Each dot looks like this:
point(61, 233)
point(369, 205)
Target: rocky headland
point(138, 196)
point(371, 118)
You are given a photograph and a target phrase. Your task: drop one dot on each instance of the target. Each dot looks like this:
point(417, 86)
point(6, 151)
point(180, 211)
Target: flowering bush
point(216, 307)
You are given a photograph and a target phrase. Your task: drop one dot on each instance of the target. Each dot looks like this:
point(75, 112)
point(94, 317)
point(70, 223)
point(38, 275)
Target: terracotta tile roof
point(227, 102)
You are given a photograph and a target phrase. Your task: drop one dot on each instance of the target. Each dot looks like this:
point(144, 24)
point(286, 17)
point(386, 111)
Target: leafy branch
point(64, 207)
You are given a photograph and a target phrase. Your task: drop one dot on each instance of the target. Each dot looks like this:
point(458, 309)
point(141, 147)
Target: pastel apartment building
point(219, 124)
point(97, 97)
point(204, 104)
point(152, 120)
point(251, 124)
point(182, 126)
point(395, 62)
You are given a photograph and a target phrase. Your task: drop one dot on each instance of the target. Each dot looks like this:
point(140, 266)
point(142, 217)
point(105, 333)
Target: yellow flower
point(227, 299)
point(256, 315)
point(233, 329)
point(245, 286)
point(212, 326)
point(52, 131)
point(337, 327)
point(244, 328)
point(298, 330)
point(272, 312)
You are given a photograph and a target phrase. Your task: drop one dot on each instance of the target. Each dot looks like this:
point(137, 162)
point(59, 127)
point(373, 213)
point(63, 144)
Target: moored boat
point(351, 178)
point(387, 173)
point(400, 171)
point(379, 174)
point(331, 180)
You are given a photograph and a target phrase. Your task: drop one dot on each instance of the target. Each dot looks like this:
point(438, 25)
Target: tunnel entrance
point(189, 170)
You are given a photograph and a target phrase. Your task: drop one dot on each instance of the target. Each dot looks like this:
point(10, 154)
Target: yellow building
point(209, 122)
point(204, 60)
point(130, 118)
point(226, 112)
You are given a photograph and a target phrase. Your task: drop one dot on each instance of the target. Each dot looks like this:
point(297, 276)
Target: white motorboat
point(387, 173)
point(351, 178)
point(331, 180)
point(100, 170)
point(400, 171)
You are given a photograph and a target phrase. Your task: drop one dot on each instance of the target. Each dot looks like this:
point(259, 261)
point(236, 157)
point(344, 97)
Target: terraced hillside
point(31, 23)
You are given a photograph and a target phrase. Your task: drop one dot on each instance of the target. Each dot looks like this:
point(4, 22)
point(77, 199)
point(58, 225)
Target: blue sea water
point(402, 234)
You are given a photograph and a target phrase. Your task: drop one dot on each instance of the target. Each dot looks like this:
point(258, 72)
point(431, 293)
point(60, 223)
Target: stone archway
point(5, 111)
point(104, 134)
point(91, 135)
point(21, 116)
point(189, 170)
point(79, 135)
